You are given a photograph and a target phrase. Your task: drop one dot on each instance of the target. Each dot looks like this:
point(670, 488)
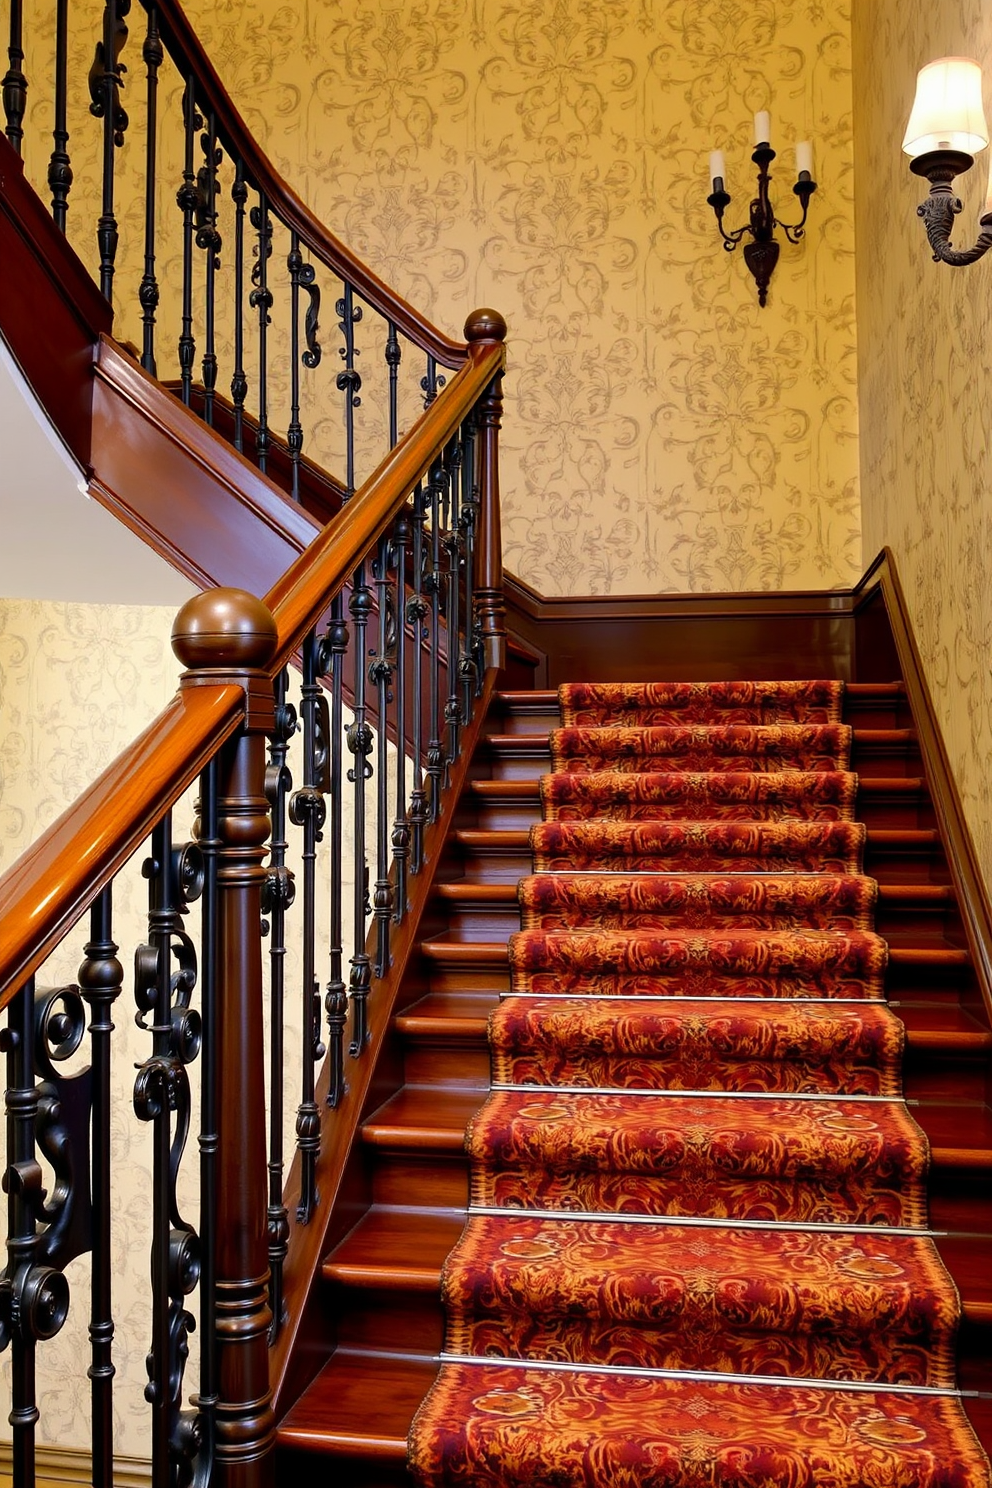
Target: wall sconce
point(945, 131)
point(761, 253)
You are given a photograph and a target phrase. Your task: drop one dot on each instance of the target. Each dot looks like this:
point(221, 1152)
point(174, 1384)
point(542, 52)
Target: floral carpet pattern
point(696, 1254)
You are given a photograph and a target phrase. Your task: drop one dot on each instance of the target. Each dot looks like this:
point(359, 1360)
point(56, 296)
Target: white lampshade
point(947, 111)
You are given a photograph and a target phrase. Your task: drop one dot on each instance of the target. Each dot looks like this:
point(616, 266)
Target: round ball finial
point(485, 325)
point(224, 628)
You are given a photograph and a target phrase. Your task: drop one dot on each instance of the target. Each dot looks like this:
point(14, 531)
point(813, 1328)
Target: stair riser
point(349, 1471)
point(528, 760)
point(408, 1322)
point(929, 1077)
point(903, 810)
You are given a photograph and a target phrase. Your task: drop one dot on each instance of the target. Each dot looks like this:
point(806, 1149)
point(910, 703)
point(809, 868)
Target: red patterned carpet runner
point(696, 1254)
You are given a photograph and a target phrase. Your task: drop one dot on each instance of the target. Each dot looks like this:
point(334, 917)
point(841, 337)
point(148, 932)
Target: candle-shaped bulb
point(762, 127)
point(718, 167)
point(804, 157)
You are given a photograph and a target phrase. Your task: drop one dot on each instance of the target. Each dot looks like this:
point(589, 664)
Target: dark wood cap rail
point(192, 61)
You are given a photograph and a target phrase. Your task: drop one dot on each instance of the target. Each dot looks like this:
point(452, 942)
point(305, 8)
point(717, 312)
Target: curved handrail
point(51, 884)
point(193, 63)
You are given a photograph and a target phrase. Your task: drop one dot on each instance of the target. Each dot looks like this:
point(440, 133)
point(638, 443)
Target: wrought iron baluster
point(148, 292)
point(452, 539)
point(162, 1087)
point(260, 299)
point(468, 661)
point(401, 825)
point(278, 893)
point(416, 613)
point(187, 198)
point(106, 81)
point(239, 382)
point(301, 276)
point(59, 167)
point(307, 809)
point(209, 239)
point(432, 382)
point(349, 379)
point(436, 495)
point(15, 84)
point(359, 737)
point(393, 355)
point(101, 978)
point(23, 1186)
point(380, 676)
point(210, 843)
point(333, 653)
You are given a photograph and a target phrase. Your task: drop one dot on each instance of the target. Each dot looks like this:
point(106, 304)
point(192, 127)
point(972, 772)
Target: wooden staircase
point(407, 1191)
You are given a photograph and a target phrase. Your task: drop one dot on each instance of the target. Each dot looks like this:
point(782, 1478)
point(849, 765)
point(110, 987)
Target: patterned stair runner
point(696, 1255)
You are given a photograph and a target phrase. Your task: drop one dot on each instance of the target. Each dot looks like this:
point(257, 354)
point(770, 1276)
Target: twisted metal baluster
point(260, 299)
point(359, 738)
point(101, 979)
point(106, 81)
point(187, 198)
point(468, 670)
point(401, 825)
point(334, 648)
point(452, 540)
point(436, 492)
point(153, 55)
point(161, 1087)
point(278, 893)
point(59, 167)
point(15, 84)
point(307, 810)
point(416, 612)
point(209, 239)
point(239, 382)
point(380, 676)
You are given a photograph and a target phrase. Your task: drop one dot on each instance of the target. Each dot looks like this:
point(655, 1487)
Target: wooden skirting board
point(73, 1465)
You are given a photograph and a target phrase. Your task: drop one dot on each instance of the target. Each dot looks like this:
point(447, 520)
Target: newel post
point(483, 329)
point(227, 635)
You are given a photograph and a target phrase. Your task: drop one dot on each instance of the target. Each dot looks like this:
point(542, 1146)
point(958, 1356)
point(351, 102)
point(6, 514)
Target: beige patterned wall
point(662, 432)
point(925, 339)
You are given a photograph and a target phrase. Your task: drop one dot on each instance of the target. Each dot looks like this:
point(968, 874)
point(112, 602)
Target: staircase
point(409, 1184)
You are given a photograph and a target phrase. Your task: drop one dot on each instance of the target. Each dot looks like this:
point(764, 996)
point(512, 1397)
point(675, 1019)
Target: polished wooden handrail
point(51, 884)
point(192, 61)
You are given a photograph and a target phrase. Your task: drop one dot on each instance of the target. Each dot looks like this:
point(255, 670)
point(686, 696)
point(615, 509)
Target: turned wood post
point(483, 329)
point(227, 635)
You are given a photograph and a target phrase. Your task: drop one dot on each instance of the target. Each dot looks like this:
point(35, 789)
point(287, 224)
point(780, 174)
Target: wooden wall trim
point(75, 1465)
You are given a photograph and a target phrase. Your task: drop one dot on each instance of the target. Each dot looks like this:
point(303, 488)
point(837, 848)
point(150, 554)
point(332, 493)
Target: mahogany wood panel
point(51, 312)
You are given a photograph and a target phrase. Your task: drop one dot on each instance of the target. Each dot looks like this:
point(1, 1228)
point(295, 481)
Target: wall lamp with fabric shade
point(946, 130)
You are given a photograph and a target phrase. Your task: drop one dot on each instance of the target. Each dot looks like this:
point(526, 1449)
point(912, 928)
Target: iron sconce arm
point(761, 253)
point(941, 207)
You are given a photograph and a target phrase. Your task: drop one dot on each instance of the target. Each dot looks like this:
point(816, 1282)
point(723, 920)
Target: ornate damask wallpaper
point(925, 332)
point(662, 432)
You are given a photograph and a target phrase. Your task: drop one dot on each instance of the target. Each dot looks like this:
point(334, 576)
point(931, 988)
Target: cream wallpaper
point(551, 159)
point(925, 332)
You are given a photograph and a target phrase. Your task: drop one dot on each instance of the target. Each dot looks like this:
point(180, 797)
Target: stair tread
point(360, 1403)
point(379, 1251)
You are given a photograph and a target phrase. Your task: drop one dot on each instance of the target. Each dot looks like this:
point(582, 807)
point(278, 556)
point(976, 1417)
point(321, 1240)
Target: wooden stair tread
point(465, 890)
point(379, 1251)
point(900, 785)
point(494, 953)
point(361, 1403)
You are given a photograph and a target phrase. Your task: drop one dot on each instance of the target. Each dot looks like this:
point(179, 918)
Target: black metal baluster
point(416, 613)
point(307, 809)
point(106, 81)
point(349, 379)
point(100, 981)
point(301, 276)
point(359, 737)
point(467, 666)
point(436, 487)
point(260, 299)
point(453, 548)
point(239, 382)
point(210, 844)
point(15, 85)
point(278, 893)
point(59, 168)
point(161, 1088)
point(401, 825)
point(209, 239)
point(393, 356)
point(432, 382)
point(187, 198)
point(380, 676)
point(148, 292)
point(336, 1000)
point(22, 1180)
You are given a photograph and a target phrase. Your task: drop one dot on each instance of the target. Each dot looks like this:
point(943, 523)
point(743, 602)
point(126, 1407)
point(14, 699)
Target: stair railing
point(218, 272)
point(418, 545)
